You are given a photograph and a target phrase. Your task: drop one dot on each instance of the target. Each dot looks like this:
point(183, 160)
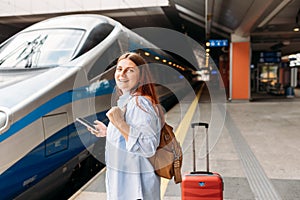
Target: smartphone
point(86, 123)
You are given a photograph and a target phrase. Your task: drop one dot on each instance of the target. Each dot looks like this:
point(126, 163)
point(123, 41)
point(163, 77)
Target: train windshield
point(40, 48)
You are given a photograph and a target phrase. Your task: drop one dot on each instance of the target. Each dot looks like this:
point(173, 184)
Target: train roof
point(78, 21)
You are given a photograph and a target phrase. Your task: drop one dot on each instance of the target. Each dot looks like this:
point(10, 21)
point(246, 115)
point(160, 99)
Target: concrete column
point(240, 58)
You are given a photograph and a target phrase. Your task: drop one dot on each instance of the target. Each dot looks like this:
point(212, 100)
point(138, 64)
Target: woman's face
point(126, 75)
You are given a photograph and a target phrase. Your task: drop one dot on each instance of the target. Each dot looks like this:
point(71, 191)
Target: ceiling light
point(286, 42)
point(297, 26)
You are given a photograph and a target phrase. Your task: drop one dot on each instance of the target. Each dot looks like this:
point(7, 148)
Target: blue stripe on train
point(56, 102)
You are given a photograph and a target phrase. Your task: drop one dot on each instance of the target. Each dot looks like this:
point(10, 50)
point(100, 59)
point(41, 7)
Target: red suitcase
point(202, 185)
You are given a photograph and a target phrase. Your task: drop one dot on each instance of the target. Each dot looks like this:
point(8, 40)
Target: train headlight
point(3, 121)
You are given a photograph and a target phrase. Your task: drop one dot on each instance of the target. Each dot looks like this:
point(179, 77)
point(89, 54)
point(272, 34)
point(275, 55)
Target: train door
point(56, 137)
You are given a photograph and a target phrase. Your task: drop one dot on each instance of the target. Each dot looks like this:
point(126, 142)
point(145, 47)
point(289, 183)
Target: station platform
point(256, 152)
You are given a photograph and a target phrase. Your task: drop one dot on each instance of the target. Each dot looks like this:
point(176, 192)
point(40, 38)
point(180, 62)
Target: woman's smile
point(123, 81)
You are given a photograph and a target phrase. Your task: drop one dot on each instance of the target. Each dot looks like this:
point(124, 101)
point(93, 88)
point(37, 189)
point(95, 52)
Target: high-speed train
point(51, 73)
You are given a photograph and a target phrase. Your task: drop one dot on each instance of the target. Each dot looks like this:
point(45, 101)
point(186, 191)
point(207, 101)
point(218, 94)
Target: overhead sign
point(270, 57)
point(218, 43)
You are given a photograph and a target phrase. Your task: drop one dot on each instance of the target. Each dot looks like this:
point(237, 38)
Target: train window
point(97, 35)
point(40, 48)
point(107, 60)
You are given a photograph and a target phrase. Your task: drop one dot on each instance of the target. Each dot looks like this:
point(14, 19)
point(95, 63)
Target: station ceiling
point(268, 23)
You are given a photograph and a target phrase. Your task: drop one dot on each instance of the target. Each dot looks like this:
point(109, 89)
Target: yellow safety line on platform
point(180, 134)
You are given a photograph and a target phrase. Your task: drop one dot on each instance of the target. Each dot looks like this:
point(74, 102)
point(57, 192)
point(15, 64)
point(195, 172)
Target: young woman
point(132, 134)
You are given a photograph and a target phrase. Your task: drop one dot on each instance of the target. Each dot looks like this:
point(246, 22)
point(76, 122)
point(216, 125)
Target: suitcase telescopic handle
point(207, 151)
point(199, 124)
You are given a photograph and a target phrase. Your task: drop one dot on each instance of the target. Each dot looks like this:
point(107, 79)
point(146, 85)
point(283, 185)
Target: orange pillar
point(240, 70)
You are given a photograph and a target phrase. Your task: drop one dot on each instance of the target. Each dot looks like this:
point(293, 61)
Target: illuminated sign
point(294, 60)
point(218, 43)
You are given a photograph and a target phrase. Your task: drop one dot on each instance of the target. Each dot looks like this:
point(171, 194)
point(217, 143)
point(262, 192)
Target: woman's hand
point(116, 117)
point(100, 127)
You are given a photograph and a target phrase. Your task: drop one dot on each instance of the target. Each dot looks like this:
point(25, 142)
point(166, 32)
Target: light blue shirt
point(129, 174)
